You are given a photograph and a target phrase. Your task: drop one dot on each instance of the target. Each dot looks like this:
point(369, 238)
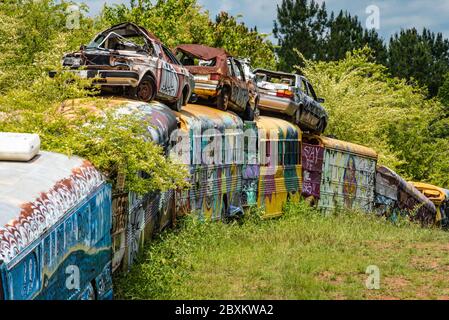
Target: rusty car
point(219, 78)
point(129, 57)
point(292, 97)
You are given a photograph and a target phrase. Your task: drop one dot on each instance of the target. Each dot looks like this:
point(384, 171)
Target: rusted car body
point(293, 97)
point(219, 78)
point(439, 197)
point(55, 223)
point(338, 174)
point(396, 197)
point(128, 56)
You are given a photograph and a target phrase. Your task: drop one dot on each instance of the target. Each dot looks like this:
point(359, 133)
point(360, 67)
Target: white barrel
point(18, 146)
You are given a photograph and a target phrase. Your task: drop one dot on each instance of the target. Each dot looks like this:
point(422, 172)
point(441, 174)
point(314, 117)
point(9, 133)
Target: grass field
point(303, 255)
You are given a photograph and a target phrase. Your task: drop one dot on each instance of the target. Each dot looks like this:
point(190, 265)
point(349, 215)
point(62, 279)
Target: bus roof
point(406, 186)
point(194, 115)
point(285, 129)
point(161, 119)
point(436, 194)
point(344, 146)
point(35, 194)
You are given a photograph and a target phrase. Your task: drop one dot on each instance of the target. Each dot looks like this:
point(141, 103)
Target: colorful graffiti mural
point(280, 164)
point(212, 143)
point(56, 218)
point(347, 175)
point(395, 197)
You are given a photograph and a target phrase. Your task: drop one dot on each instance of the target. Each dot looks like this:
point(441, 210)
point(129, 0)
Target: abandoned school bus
point(338, 174)
point(136, 218)
point(396, 197)
point(55, 223)
point(280, 173)
point(209, 142)
point(439, 197)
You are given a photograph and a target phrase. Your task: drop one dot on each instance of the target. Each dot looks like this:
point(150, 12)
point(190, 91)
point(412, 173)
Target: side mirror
point(320, 100)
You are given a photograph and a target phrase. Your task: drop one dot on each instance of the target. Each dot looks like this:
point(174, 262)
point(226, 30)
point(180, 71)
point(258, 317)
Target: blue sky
point(394, 14)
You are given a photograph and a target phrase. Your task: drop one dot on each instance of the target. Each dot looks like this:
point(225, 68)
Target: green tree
point(300, 25)
point(241, 41)
point(419, 57)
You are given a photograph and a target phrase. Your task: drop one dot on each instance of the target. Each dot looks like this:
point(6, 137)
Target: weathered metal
point(55, 223)
point(149, 70)
point(439, 197)
point(280, 164)
point(347, 176)
point(292, 97)
point(396, 197)
point(210, 142)
point(222, 79)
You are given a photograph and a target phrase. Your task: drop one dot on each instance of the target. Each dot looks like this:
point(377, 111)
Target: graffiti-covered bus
point(136, 218)
point(439, 197)
point(338, 174)
point(210, 143)
point(280, 174)
point(55, 223)
point(396, 197)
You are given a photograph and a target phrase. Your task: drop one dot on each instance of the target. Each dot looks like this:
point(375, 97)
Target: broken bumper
point(107, 77)
point(277, 104)
point(206, 89)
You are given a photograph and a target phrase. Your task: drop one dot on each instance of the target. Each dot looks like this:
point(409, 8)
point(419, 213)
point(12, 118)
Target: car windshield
point(276, 78)
point(189, 60)
point(114, 41)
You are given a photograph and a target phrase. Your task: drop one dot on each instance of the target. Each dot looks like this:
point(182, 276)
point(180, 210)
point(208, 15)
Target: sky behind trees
point(394, 14)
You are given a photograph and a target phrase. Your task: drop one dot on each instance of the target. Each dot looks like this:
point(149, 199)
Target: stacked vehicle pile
point(65, 229)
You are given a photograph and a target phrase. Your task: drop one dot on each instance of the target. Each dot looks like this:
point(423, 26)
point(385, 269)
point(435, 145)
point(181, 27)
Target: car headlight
point(72, 62)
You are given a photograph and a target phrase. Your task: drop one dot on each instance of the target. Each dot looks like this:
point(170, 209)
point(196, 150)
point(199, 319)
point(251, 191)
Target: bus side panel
point(312, 164)
point(276, 189)
point(347, 181)
point(73, 256)
point(251, 167)
point(386, 199)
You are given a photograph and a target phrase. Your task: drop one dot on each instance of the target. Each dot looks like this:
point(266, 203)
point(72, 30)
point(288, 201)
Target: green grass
point(303, 255)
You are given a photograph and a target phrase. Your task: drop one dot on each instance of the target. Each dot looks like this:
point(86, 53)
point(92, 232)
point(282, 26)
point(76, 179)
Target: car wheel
point(297, 117)
point(223, 99)
point(146, 89)
point(177, 106)
point(249, 114)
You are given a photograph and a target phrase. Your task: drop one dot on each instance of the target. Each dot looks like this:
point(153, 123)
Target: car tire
point(223, 99)
point(177, 105)
point(146, 90)
point(249, 113)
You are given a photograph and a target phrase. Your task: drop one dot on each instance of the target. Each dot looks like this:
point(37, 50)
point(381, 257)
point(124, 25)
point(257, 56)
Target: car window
point(239, 71)
point(312, 91)
point(230, 68)
point(170, 56)
point(304, 86)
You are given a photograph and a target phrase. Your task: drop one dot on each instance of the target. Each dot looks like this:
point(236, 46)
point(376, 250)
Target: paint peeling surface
point(215, 177)
point(33, 196)
point(348, 175)
point(251, 167)
point(280, 170)
point(395, 196)
point(439, 197)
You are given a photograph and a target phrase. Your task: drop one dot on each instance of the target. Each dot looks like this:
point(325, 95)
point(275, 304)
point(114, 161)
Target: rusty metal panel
point(395, 196)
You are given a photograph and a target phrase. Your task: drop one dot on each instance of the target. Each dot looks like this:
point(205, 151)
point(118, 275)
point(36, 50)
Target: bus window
point(281, 153)
point(24, 278)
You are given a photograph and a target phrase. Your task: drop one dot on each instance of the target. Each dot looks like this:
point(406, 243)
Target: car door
point(240, 94)
point(170, 81)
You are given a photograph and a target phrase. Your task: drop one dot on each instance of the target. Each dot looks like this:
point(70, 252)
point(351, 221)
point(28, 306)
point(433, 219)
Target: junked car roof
point(276, 73)
point(202, 52)
point(129, 29)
